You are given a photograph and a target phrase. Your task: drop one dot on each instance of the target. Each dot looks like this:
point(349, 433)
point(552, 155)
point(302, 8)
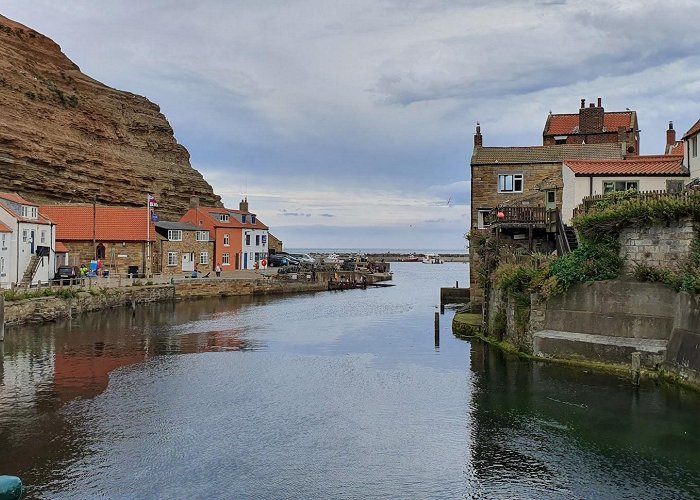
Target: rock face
point(65, 137)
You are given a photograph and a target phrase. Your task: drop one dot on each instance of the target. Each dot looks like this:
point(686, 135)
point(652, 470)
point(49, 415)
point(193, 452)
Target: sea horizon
point(417, 251)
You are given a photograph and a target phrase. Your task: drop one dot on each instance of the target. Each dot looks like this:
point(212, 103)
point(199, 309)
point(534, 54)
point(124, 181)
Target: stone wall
point(659, 246)
point(51, 308)
point(118, 255)
point(683, 351)
point(189, 244)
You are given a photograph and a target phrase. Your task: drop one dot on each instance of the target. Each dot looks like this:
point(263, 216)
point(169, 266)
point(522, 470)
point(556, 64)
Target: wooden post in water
point(2, 317)
point(437, 329)
point(636, 367)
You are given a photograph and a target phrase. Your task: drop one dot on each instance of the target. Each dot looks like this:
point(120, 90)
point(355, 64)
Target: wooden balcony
point(519, 217)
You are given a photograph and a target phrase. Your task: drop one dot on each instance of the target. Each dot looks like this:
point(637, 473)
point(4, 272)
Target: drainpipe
point(590, 186)
point(17, 260)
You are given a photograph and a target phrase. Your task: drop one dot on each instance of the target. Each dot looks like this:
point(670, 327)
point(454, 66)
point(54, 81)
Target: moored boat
point(432, 258)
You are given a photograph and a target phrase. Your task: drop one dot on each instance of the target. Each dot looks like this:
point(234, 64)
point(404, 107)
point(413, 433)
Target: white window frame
point(225, 259)
point(247, 239)
point(264, 239)
point(694, 146)
point(174, 234)
point(481, 214)
point(2, 266)
point(204, 258)
point(252, 218)
point(4, 240)
point(172, 259)
point(510, 180)
point(627, 186)
point(224, 218)
point(42, 237)
point(202, 236)
point(257, 240)
point(25, 236)
point(227, 240)
point(243, 218)
point(29, 212)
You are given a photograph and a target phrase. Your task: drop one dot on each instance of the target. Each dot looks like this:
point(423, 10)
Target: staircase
point(571, 237)
point(30, 271)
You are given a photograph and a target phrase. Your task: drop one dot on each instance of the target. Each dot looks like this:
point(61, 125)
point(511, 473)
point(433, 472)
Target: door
point(188, 262)
point(550, 199)
point(31, 241)
point(245, 260)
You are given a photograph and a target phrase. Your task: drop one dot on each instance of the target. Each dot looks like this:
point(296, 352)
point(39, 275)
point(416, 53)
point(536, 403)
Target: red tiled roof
point(675, 149)
point(74, 223)
point(60, 247)
point(232, 222)
point(635, 165)
point(257, 225)
point(15, 198)
point(4, 228)
point(568, 124)
point(693, 130)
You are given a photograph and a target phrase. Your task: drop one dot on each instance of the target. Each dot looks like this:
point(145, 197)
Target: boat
point(411, 258)
point(332, 258)
point(432, 258)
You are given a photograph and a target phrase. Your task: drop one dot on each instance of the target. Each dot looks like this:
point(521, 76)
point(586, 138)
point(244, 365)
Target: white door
point(187, 262)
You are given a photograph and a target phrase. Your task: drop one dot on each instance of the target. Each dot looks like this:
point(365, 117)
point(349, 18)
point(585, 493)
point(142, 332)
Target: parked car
point(277, 260)
point(303, 258)
point(67, 275)
point(291, 259)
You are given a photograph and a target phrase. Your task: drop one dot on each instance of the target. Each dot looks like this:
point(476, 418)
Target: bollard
point(437, 328)
point(636, 367)
point(456, 284)
point(10, 488)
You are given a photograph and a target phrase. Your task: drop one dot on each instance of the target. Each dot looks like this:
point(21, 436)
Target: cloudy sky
point(349, 123)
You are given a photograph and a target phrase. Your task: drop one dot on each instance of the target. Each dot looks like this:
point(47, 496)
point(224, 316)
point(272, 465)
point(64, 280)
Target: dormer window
point(252, 218)
point(224, 218)
point(243, 217)
point(29, 212)
point(175, 235)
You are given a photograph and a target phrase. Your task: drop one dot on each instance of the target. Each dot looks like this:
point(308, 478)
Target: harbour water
point(325, 395)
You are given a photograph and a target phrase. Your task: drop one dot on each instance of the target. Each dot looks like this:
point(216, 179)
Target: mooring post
point(636, 367)
point(2, 317)
point(437, 328)
point(456, 284)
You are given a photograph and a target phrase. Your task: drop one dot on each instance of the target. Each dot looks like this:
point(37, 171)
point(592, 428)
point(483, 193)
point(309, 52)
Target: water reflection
point(543, 429)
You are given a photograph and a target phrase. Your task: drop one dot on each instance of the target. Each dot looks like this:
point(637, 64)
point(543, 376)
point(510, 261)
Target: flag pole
point(148, 234)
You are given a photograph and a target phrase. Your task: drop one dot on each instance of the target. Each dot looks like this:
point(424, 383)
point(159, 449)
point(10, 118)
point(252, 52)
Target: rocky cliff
point(65, 137)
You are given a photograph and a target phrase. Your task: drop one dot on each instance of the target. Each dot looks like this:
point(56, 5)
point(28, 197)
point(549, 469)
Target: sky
point(349, 124)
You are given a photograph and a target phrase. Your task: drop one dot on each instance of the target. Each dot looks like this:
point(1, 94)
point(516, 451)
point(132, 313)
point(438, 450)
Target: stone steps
point(601, 348)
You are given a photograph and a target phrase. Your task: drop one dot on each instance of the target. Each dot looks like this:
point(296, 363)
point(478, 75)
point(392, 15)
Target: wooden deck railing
point(600, 201)
point(520, 215)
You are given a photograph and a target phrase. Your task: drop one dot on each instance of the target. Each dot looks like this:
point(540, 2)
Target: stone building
point(593, 125)
point(122, 238)
point(274, 244)
point(179, 246)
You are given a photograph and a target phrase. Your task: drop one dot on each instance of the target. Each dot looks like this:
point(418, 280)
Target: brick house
point(240, 238)
point(593, 125)
point(123, 237)
point(27, 242)
point(181, 245)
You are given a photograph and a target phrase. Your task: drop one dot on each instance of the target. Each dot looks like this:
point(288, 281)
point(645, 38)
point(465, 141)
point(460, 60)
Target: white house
point(583, 178)
point(690, 151)
point(254, 236)
point(27, 244)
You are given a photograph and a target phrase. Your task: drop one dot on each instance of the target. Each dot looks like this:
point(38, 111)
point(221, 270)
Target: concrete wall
point(683, 350)
point(657, 246)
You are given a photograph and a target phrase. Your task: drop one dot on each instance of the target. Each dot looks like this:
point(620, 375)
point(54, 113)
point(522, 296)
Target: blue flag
point(154, 217)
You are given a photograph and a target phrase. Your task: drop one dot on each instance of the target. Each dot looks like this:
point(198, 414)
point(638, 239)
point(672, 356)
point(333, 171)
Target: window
point(243, 216)
point(204, 258)
point(694, 146)
point(264, 239)
point(175, 235)
point(224, 260)
point(172, 258)
point(252, 219)
point(483, 218)
point(3, 240)
point(559, 139)
point(28, 212)
point(202, 235)
point(510, 183)
point(247, 239)
point(257, 239)
point(24, 236)
point(257, 256)
point(226, 240)
point(223, 217)
point(2, 266)
point(101, 251)
point(613, 186)
point(42, 237)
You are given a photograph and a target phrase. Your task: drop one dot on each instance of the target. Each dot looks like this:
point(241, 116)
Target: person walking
point(195, 273)
point(218, 270)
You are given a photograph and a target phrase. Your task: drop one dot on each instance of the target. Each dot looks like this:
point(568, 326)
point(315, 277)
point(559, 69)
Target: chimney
point(600, 102)
point(590, 119)
point(243, 206)
point(478, 139)
point(670, 136)
point(194, 201)
point(583, 103)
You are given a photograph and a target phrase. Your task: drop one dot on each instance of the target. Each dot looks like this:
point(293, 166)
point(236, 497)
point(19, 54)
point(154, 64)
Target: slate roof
point(15, 198)
point(568, 124)
point(636, 165)
point(74, 223)
point(544, 154)
point(693, 130)
point(182, 226)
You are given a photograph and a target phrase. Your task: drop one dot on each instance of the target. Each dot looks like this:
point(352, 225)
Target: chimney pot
point(600, 102)
point(583, 103)
point(591, 105)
